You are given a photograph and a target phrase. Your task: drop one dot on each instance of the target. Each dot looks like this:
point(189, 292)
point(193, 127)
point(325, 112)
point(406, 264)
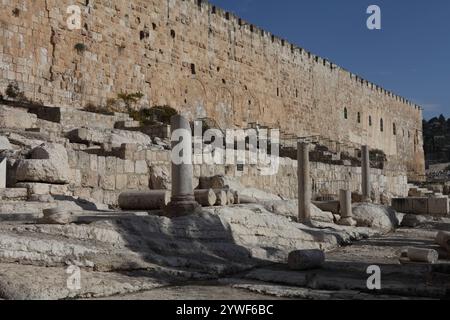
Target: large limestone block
point(289, 208)
point(113, 137)
point(375, 216)
point(16, 118)
point(48, 164)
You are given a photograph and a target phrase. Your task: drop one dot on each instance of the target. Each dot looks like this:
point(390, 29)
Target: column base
point(181, 208)
point(347, 222)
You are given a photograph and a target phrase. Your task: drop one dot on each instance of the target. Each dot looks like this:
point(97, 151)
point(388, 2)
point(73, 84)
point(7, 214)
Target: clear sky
point(410, 55)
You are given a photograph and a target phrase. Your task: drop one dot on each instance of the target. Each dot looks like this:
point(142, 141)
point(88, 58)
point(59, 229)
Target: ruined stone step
point(36, 188)
point(13, 194)
point(14, 207)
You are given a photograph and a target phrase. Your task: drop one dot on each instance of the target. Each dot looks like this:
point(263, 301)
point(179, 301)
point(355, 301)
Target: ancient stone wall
point(103, 178)
point(203, 61)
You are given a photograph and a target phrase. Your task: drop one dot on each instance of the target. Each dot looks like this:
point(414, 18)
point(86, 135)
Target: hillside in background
point(436, 138)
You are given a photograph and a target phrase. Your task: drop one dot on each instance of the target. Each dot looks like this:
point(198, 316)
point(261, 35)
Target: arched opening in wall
point(359, 117)
point(278, 92)
point(394, 129)
point(172, 34)
point(370, 121)
point(345, 113)
point(296, 93)
point(381, 125)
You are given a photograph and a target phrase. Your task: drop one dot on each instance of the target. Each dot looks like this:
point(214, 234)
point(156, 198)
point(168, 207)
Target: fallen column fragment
point(222, 197)
point(144, 200)
point(423, 255)
point(306, 259)
point(230, 196)
point(206, 198)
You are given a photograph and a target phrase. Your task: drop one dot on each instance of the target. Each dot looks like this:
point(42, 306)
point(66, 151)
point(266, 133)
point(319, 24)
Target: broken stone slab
point(13, 194)
point(35, 188)
point(247, 200)
point(144, 200)
point(43, 171)
point(288, 208)
point(423, 255)
point(57, 216)
point(306, 259)
point(206, 198)
point(412, 220)
point(5, 144)
point(443, 239)
point(328, 206)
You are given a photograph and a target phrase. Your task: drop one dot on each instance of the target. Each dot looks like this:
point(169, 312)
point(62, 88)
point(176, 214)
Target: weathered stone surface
point(289, 208)
point(443, 239)
point(42, 171)
point(160, 178)
point(113, 137)
point(16, 118)
point(13, 193)
point(49, 163)
point(375, 216)
point(349, 221)
point(4, 143)
point(22, 282)
point(306, 259)
point(57, 216)
point(412, 220)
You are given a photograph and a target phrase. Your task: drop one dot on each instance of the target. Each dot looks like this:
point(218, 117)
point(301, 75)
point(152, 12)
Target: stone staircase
point(423, 201)
point(419, 192)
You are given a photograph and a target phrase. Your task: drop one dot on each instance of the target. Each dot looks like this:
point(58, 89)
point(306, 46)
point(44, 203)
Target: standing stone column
point(304, 183)
point(183, 199)
point(345, 200)
point(365, 174)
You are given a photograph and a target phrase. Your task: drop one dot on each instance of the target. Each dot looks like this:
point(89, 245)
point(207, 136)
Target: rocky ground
point(234, 252)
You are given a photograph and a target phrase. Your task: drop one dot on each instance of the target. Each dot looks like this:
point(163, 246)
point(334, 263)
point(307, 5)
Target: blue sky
point(410, 55)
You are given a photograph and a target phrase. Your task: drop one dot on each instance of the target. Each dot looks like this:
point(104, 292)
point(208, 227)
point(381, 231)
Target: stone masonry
point(203, 61)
